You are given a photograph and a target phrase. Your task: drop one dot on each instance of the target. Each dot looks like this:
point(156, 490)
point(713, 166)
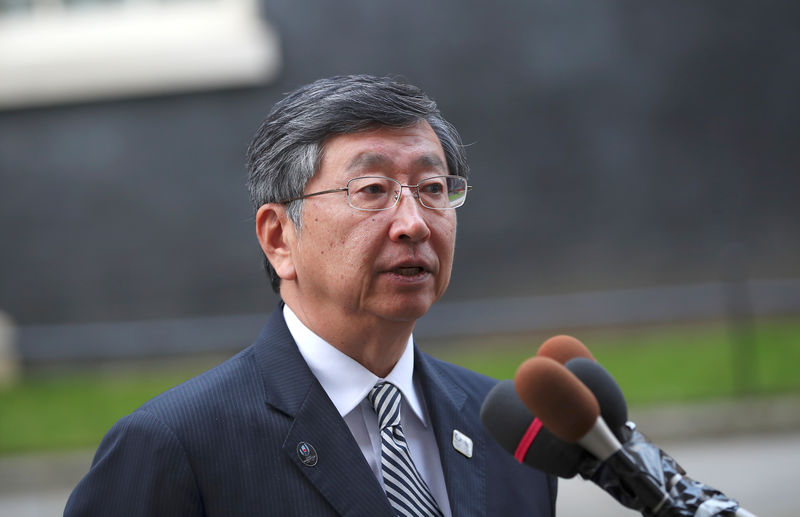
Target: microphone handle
point(649, 493)
point(603, 444)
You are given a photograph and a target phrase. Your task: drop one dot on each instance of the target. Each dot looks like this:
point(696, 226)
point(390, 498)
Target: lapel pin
point(462, 443)
point(307, 454)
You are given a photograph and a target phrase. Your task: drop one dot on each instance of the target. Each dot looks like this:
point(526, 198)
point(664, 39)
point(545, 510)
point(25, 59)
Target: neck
point(377, 345)
point(379, 359)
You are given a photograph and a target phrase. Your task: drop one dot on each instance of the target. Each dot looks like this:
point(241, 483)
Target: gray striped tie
point(405, 488)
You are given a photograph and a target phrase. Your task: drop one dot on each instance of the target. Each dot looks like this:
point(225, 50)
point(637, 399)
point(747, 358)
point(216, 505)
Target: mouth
point(411, 271)
point(408, 271)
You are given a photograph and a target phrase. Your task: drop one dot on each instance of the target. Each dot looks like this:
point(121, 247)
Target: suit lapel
point(340, 472)
point(465, 477)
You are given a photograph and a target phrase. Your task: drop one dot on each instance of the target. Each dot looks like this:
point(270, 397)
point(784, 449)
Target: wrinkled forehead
point(413, 148)
point(375, 160)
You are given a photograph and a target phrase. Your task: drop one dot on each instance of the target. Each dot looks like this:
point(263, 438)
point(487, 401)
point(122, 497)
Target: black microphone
point(613, 407)
point(514, 427)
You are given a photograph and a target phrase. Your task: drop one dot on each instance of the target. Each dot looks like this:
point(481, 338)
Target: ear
point(276, 234)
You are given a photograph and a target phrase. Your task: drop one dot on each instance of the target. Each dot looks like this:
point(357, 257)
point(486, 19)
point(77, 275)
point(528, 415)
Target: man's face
point(374, 266)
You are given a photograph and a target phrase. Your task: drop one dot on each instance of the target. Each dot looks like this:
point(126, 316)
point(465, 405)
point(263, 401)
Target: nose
point(408, 219)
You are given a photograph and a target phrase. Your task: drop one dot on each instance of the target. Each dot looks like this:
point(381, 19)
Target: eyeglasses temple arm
point(343, 189)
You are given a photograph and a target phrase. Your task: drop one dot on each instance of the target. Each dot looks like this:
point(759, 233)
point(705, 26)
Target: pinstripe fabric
point(408, 493)
point(224, 444)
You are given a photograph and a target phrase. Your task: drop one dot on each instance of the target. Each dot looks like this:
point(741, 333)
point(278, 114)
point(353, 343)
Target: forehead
point(413, 148)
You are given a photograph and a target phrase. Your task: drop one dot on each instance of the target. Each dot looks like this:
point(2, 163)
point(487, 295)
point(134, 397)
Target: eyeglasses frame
point(413, 188)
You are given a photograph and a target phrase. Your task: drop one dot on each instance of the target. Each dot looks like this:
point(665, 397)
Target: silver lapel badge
point(462, 443)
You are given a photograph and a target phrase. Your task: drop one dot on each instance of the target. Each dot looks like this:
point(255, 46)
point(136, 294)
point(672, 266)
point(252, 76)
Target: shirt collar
point(345, 380)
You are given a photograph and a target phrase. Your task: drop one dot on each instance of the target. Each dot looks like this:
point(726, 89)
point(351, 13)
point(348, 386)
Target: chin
point(407, 310)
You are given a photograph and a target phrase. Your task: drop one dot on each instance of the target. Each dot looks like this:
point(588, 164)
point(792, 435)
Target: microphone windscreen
point(561, 401)
point(605, 389)
point(507, 419)
point(562, 348)
point(505, 416)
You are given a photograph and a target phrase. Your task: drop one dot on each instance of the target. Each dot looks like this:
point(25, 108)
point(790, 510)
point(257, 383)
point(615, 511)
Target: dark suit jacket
point(225, 443)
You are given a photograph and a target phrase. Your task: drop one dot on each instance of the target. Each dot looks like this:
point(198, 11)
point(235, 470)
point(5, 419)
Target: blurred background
point(635, 172)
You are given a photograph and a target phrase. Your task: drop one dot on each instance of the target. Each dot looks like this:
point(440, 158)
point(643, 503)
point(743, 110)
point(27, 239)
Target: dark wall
point(613, 144)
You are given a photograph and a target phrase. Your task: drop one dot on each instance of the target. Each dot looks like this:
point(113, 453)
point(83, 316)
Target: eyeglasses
point(374, 193)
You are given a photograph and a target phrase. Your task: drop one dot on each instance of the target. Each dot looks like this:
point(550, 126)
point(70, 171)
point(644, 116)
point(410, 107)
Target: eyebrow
point(367, 160)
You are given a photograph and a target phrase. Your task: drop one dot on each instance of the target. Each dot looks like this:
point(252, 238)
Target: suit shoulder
point(140, 468)
point(232, 379)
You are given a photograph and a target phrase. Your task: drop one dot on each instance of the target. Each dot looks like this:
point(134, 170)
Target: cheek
point(347, 252)
point(447, 238)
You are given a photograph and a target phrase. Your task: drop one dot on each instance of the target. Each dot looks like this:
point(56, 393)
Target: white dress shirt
point(348, 383)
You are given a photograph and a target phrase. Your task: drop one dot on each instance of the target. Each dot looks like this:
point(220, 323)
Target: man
point(333, 410)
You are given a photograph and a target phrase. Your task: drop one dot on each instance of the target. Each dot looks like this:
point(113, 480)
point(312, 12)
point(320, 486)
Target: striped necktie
point(405, 488)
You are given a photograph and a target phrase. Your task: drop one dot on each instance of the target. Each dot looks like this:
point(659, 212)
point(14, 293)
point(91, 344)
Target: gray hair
point(287, 149)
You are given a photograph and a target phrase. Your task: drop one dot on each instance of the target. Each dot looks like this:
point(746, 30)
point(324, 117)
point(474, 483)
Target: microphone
point(516, 429)
point(520, 433)
point(687, 495)
point(573, 354)
point(613, 407)
point(572, 413)
point(562, 348)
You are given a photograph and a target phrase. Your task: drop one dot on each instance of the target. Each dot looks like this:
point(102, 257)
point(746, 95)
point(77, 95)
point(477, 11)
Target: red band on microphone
point(527, 440)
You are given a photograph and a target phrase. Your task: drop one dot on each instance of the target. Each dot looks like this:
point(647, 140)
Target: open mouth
point(408, 271)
